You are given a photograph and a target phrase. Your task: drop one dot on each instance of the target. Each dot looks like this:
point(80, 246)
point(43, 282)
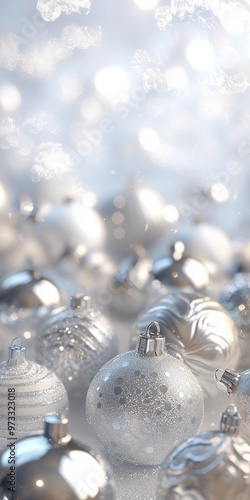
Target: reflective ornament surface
point(143, 402)
point(75, 342)
point(209, 245)
point(68, 225)
point(180, 271)
point(134, 216)
point(235, 297)
point(25, 298)
point(55, 466)
point(130, 284)
point(37, 392)
point(209, 466)
point(237, 386)
point(201, 330)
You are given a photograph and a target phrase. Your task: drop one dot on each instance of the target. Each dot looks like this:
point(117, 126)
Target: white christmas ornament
point(29, 390)
point(143, 402)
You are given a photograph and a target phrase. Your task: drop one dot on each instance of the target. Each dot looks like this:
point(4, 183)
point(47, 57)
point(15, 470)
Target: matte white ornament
point(143, 402)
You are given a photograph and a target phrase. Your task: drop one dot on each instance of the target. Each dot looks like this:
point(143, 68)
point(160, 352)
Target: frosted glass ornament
point(53, 465)
point(75, 342)
point(209, 466)
point(237, 386)
point(235, 297)
point(200, 329)
point(143, 402)
point(37, 392)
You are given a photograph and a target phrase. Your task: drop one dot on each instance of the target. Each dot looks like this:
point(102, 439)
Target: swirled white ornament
point(201, 330)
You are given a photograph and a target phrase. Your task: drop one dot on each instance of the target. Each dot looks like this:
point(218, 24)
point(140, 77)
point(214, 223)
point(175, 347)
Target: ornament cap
point(230, 420)
point(151, 343)
point(16, 354)
point(79, 300)
point(56, 429)
point(229, 379)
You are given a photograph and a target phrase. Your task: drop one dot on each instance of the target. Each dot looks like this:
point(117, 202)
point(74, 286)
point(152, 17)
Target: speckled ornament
point(237, 386)
point(75, 342)
point(143, 402)
point(54, 466)
point(209, 466)
point(235, 297)
point(37, 392)
point(200, 329)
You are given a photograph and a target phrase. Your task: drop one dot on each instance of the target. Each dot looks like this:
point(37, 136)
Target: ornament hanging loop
point(230, 420)
point(151, 343)
point(228, 380)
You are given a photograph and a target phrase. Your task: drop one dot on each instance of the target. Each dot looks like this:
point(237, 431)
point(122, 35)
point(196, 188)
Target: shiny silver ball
point(54, 466)
point(134, 216)
point(183, 273)
point(209, 466)
point(235, 297)
point(201, 330)
point(75, 342)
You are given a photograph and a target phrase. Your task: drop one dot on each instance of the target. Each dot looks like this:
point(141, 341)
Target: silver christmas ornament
point(75, 342)
point(69, 225)
point(143, 402)
point(130, 286)
point(235, 297)
point(209, 245)
point(200, 329)
point(237, 386)
point(26, 297)
point(29, 391)
point(134, 216)
point(54, 466)
point(180, 271)
point(209, 466)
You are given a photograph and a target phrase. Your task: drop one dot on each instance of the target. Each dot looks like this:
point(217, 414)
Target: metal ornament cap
point(151, 343)
point(228, 380)
point(53, 465)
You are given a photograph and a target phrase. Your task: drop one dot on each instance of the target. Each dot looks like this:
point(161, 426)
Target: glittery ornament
point(37, 392)
point(179, 271)
point(209, 466)
point(235, 297)
point(200, 329)
point(237, 386)
point(135, 216)
point(25, 298)
point(143, 402)
point(55, 466)
point(209, 245)
point(129, 286)
point(75, 342)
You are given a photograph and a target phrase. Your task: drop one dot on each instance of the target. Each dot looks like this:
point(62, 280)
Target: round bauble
point(237, 386)
point(69, 225)
point(179, 271)
point(209, 245)
point(201, 330)
point(209, 466)
point(134, 216)
point(75, 342)
point(143, 402)
point(55, 466)
point(25, 298)
point(30, 391)
point(235, 297)
point(130, 285)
